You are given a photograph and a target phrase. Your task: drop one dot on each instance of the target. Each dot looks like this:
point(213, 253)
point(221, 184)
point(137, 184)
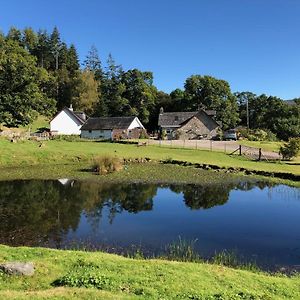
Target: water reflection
point(49, 213)
point(33, 212)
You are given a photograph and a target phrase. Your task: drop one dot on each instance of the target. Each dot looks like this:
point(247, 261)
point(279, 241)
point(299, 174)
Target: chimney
point(161, 111)
point(71, 107)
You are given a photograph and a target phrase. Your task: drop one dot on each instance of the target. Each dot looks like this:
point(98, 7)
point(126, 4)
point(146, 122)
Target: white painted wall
point(96, 134)
point(63, 123)
point(135, 124)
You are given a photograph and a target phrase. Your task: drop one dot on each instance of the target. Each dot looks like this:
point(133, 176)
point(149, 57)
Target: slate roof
point(176, 119)
point(107, 123)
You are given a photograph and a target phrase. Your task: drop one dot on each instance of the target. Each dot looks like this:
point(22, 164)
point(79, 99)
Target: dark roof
point(107, 123)
point(81, 115)
point(176, 119)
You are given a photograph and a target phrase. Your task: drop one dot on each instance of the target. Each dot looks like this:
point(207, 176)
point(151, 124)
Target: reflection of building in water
point(66, 181)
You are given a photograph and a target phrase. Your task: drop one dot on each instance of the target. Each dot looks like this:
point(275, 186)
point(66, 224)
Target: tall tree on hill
point(15, 34)
point(87, 93)
point(29, 40)
point(42, 50)
point(21, 82)
point(93, 63)
point(113, 103)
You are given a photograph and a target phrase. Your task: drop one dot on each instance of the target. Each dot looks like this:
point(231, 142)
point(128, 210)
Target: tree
point(21, 81)
point(210, 93)
point(140, 93)
point(29, 40)
point(93, 63)
point(245, 101)
point(88, 96)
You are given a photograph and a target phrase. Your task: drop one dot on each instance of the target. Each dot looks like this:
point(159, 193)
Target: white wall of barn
point(63, 123)
point(96, 134)
point(135, 124)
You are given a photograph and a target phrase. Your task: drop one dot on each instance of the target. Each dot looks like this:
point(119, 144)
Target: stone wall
point(197, 128)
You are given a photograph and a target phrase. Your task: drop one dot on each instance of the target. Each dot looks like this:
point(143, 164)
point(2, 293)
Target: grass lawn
point(96, 275)
point(63, 152)
point(267, 146)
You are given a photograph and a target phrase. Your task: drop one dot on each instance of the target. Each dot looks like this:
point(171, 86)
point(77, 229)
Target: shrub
point(143, 135)
point(257, 135)
point(68, 138)
point(106, 164)
point(164, 134)
point(290, 149)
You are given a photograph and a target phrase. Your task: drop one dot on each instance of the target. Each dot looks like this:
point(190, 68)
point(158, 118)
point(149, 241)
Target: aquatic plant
point(182, 250)
point(106, 164)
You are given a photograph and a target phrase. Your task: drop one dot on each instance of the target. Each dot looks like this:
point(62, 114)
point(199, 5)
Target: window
point(90, 131)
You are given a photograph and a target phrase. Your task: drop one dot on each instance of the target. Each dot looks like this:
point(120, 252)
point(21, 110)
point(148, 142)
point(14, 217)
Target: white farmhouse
point(67, 122)
point(112, 128)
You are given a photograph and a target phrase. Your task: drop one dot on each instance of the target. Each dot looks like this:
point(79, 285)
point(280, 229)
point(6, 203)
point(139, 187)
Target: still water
point(258, 221)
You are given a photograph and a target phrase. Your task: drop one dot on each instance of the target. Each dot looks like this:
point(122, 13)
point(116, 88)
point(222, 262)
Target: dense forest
point(40, 74)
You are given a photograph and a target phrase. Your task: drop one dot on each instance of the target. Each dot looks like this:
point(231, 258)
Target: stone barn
point(188, 125)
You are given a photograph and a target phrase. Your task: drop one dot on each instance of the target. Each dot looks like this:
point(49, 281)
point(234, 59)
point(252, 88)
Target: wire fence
point(229, 147)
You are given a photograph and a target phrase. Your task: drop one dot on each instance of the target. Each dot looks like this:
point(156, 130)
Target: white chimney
point(71, 107)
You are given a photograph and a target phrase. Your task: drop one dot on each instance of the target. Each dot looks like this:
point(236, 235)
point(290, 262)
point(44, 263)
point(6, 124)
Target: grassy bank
point(90, 275)
point(63, 152)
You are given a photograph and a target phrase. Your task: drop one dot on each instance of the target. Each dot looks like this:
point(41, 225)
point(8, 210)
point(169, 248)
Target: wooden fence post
point(259, 154)
point(240, 150)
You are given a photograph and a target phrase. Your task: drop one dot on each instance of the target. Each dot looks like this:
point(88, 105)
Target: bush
point(290, 149)
point(257, 135)
point(106, 164)
point(68, 138)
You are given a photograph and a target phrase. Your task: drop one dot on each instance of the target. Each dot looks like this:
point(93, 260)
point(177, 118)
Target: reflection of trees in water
point(207, 196)
point(32, 211)
point(36, 212)
point(116, 198)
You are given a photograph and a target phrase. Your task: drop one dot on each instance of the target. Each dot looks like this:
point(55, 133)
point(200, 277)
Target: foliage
point(290, 149)
point(215, 94)
point(21, 82)
point(87, 97)
point(257, 135)
point(182, 250)
point(106, 164)
point(231, 259)
point(270, 113)
point(163, 134)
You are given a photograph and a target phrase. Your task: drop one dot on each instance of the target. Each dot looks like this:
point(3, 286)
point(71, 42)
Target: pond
point(257, 220)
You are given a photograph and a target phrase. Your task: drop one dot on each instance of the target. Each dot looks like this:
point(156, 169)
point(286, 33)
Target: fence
point(230, 147)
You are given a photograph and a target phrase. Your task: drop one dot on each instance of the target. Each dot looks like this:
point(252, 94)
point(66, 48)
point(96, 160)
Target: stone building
point(188, 125)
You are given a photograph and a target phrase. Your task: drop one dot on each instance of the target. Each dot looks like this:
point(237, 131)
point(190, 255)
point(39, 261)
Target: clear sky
point(253, 44)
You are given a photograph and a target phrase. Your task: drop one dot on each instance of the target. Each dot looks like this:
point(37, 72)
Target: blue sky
point(253, 44)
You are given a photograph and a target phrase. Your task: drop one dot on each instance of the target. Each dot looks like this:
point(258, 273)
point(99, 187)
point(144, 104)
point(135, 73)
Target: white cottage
point(112, 128)
point(67, 122)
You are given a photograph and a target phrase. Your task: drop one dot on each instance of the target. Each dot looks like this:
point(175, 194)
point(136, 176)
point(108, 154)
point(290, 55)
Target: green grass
point(264, 145)
point(63, 152)
point(91, 275)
